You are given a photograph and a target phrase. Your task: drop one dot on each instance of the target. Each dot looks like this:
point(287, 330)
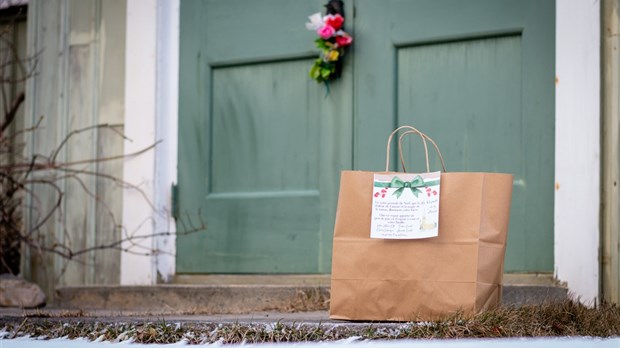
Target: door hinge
point(174, 198)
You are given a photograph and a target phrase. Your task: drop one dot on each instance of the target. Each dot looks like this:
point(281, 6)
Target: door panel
point(264, 192)
point(467, 94)
point(478, 77)
point(436, 79)
point(260, 146)
point(265, 127)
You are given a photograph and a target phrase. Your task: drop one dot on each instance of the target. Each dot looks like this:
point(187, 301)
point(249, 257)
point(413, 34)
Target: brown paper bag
point(422, 279)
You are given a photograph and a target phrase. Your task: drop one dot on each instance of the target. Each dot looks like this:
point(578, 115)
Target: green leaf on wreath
point(320, 44)
point(315, 72)
point(325, 72)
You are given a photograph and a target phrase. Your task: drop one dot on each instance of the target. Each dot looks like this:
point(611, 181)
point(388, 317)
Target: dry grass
point(559, 319)
point(307, 300)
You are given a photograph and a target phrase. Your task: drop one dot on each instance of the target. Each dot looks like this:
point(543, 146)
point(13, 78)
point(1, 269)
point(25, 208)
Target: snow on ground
point(580, 342)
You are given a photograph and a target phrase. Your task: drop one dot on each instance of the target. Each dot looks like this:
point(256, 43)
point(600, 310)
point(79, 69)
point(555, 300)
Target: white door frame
point(151, 107)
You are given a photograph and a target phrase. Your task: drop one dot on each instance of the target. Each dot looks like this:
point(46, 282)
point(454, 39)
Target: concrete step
point(231, 294)
point(522, 289)
point(194, 299)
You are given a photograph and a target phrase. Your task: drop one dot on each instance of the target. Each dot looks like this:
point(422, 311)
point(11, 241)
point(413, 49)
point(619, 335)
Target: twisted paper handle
point(411, 130)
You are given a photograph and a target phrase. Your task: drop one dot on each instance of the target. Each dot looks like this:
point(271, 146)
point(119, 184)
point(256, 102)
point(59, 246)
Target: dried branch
point(82, 130)
point(53, 165)
point(9, 115)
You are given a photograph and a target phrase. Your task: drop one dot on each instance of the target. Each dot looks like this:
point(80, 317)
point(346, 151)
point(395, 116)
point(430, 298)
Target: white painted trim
point(140, 128)
point(577, 147)
point(151, 108)
point(168, 17)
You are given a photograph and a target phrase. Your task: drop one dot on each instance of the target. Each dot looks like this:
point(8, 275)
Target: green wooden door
point(260, 147)
point(477, 75)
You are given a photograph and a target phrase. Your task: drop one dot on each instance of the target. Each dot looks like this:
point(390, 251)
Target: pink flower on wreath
point(326, 31)
point(343, 39)
point(335, 21)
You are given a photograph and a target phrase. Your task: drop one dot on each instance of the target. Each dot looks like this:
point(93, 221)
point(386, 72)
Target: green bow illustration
point(413, 185)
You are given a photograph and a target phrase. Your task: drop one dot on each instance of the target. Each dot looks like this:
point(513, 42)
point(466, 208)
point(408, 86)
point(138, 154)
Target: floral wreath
point(332, 42)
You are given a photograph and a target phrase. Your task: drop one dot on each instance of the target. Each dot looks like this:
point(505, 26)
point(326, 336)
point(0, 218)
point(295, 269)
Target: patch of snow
point(423, 323)
point(350, 340)
point(219, 342)
point(562, 342)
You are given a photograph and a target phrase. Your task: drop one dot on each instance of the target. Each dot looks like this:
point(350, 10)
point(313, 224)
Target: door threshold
point(531, 279)
point(253, 279)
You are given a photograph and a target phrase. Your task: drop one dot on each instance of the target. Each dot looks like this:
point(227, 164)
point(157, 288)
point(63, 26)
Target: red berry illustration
point(383, 195)
point(377, 194)
point(434, 193)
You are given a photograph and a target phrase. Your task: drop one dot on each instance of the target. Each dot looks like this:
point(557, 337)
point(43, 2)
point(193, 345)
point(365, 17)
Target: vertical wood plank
point(610, 139)
point(44, 100)
point(79, 207)
point(20, 39)
point(13, 47)
point(110, 111)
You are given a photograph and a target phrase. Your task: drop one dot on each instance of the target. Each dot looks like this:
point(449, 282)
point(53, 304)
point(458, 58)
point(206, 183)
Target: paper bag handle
point(411, 130)
point(400, 149)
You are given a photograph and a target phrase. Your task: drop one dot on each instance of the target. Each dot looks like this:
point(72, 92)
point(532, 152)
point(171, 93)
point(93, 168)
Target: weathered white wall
point(79, 44)
point(151, 93)
point(577, 147)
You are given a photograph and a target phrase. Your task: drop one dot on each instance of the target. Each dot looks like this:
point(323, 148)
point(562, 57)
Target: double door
point(261, 145)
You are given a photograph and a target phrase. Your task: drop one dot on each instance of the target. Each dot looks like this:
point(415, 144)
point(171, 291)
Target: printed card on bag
point(405, 206)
